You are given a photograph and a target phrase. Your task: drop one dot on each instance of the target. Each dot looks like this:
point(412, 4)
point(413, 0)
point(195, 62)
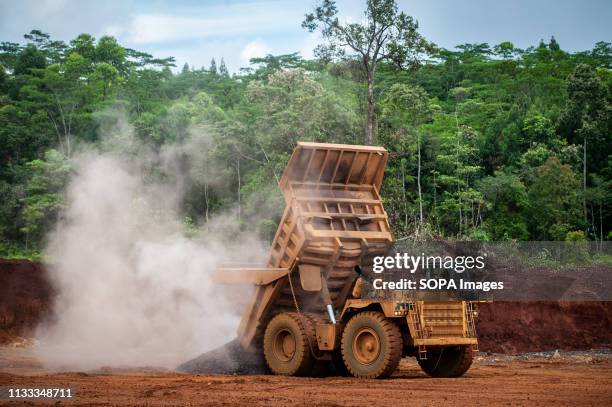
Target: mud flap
point(310, 277)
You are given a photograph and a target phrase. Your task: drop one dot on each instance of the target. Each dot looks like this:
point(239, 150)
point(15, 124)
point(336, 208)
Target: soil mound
point(515, 327)
point(25, 298)
point(230, 358)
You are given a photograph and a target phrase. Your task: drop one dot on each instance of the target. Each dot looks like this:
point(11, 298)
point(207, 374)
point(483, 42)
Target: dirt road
point(571, 379)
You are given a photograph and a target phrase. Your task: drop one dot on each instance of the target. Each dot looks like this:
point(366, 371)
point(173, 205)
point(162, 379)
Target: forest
point(486, 141)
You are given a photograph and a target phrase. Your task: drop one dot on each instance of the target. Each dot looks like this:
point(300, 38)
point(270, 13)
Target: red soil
point(505, 327)
point(537, 382)
point(25, 298)
point(513, 327)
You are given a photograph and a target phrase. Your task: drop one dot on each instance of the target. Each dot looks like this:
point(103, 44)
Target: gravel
point(230, 358)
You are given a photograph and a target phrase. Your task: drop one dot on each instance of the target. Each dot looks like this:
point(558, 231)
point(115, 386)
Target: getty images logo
point(404, 261)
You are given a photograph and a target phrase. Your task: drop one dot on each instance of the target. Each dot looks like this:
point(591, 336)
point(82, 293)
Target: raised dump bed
point(306, 301)
point(333, 222)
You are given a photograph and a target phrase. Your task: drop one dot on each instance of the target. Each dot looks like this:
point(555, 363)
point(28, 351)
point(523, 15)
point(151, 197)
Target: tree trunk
point(419, 184)
point(584, 174)
point(457, 172)
point(593, 225)
point(435, 202)
point(207, 202)
point(369, 136)
point(405, 198)
point(239, 208)
point(68, 147)
point(57, 131)
point(600, 228)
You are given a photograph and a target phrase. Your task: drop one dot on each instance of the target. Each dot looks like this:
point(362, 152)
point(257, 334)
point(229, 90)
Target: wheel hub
point(366, 346)
point(284, 345)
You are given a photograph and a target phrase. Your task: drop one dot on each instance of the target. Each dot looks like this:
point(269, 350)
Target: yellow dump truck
point(307, 305)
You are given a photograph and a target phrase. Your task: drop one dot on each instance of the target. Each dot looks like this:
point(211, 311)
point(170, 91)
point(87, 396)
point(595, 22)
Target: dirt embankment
point(504, 327)
point(25, 298)
point(513, 327)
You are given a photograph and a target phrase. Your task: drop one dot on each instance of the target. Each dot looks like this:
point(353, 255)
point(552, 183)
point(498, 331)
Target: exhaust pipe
point(327, 300)
point(330, 312)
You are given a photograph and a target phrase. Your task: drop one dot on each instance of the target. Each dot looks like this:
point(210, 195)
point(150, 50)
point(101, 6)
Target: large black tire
point(448, 361)
point(320, 368)
point(324, 367)
point(371, 345)
point(337, 364)
point(286, 344)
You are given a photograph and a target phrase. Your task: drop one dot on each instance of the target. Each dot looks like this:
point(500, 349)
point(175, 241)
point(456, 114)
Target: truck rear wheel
point(286, 344)
point(448, 361)
point(371, 345)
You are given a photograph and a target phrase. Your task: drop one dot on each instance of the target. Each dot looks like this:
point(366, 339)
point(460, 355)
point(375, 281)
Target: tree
point(293, 106)
point(44, 196)
point(554, 201)
point(588, 117)
point(38, 38)
point(84, 45)
point(386, 35)
point(69, 92)
point(213, 66)
point(602, 54)
point(272, 63)
point(505, 49)
point(29, 58)
point(185, 68)
point(223, 69)
point(54, 51)
point(109, 51)
point(506, 201)
point(553, 45)
point(9, 53)
point(409, 107)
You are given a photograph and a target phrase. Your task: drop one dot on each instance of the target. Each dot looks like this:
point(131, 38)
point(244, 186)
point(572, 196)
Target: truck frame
point(307, 306)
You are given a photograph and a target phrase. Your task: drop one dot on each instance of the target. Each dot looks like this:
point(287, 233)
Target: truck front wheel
point(287, 343)
point(448, 361)
point(371, 345)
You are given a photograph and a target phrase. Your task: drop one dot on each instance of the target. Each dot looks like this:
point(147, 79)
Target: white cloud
point(254, 49)
point(309, 44)
point(208, 22)
point(156, 28)
point(62, 19)
point(114, 30)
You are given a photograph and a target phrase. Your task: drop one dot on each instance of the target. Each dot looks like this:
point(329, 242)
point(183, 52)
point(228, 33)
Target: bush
point(575, 236)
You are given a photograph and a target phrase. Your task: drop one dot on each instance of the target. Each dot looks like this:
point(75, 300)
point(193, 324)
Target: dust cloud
point(133, 289)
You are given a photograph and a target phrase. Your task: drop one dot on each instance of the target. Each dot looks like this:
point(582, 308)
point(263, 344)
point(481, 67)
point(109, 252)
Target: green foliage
point(486, 142)
point(554, 205)
point(575, 236)
point(506, 203)
point(265, 66)
point(44, 194)
point(578, 249)
point(292, 106)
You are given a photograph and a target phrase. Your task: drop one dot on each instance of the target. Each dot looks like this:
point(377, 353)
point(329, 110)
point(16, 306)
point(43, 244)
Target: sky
point(196, 31)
